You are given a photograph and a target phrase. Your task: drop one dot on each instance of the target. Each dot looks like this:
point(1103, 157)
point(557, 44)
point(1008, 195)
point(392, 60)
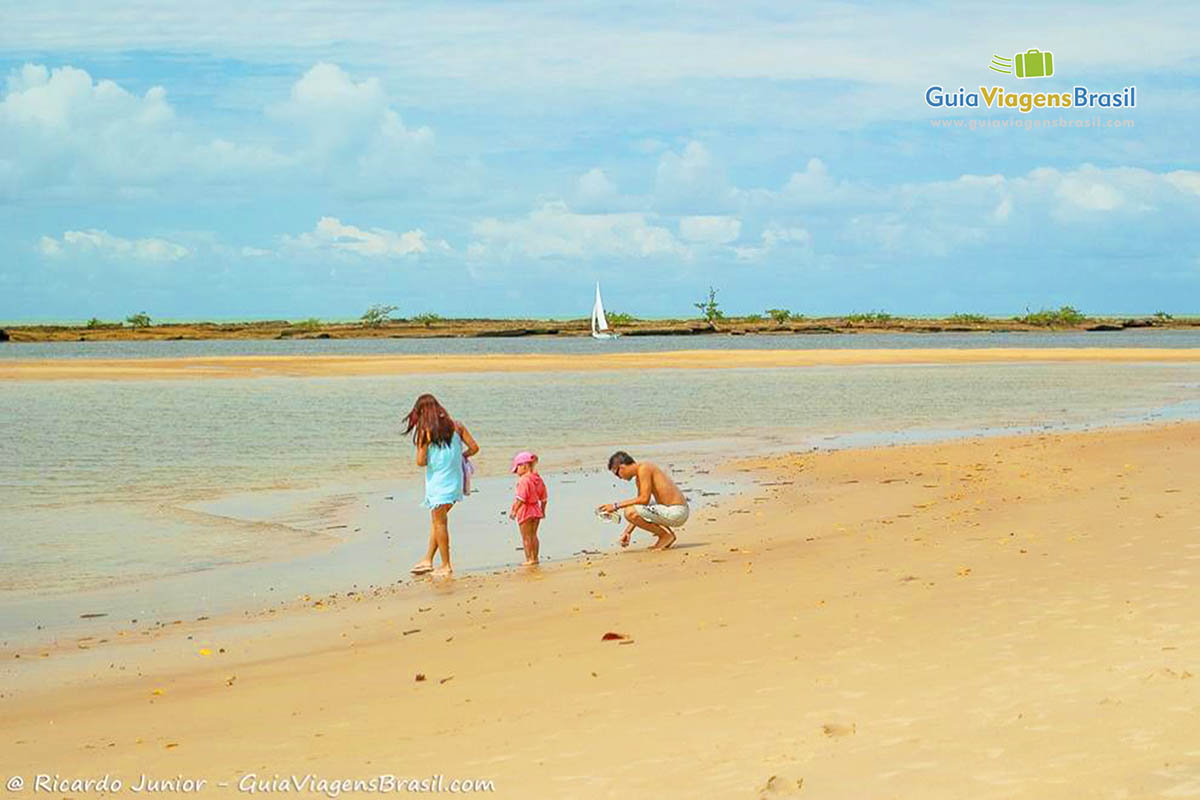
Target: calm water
point(1143, 337)
point(148, 489)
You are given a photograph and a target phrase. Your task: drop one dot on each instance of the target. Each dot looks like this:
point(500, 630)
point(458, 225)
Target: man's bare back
point(662, 488)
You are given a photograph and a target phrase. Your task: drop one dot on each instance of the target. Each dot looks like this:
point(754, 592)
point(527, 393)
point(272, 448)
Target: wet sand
point(990, 618)
point(306, 366)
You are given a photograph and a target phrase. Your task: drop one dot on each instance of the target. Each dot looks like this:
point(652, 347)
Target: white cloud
point(68, 97)
point(594, 187)
point(332, 235)
point(691, 180)
point(710, 229)
point(815, 186)
point(1089, 192)
point(505, 45)
point(812, 187)
point(80, 135)
point(1184, 181)
point(813, 183)
point(69, 128)
point(1092, 195)
point(105, 245)
point(926, 219)
point(649, 146)
point(777, 235)
point(773, 237)
point(1003, 210)
point(348, 124)
point(937, 217)
point(75, 134)
point(554, 230)
point(687, 168)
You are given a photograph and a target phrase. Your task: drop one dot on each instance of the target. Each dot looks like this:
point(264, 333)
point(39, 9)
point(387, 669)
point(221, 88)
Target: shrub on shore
point(1048, 318)
point(869, 318)
point(710, 310)
point(376, 315)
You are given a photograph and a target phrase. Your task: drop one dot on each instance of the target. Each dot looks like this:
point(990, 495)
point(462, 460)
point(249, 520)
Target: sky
point(288, 160)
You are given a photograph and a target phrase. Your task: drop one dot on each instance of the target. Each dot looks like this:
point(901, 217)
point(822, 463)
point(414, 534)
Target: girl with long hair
point(442, 445)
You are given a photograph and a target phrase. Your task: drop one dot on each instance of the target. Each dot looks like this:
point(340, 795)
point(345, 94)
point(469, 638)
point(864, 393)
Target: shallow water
point(132, 489)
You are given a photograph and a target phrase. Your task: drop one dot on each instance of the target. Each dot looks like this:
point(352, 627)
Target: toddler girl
point(529, 506)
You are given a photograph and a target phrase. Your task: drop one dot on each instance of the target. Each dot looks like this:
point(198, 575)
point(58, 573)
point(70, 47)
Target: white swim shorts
point(670, 516)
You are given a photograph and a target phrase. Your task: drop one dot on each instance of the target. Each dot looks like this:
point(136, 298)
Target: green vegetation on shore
point(1065, 317)
point(377, 322)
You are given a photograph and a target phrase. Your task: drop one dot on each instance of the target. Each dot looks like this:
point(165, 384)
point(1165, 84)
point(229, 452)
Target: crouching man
point(668, 510)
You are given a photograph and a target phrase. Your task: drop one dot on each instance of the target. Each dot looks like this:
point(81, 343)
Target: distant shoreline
point(495, 328)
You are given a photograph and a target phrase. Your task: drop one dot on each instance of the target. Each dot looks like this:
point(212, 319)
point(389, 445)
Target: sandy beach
point(306, 366)
point(987, 618)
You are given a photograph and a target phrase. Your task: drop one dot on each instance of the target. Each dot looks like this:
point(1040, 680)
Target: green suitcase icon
point(1034, 63)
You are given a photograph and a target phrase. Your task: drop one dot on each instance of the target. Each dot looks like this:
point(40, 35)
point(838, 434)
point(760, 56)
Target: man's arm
point(645, 482)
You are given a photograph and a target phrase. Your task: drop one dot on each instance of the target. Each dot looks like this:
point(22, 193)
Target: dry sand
point(302, 366)
point(992, 618)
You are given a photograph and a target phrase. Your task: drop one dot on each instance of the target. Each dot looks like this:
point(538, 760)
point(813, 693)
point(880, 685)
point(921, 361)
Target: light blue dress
point(444, 473)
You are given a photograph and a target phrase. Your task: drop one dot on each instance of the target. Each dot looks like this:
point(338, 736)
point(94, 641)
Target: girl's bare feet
point(421, 567)
point(532, 563)
point(443, 572)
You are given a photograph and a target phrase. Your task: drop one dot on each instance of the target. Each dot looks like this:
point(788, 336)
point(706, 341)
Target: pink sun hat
point(523, 457)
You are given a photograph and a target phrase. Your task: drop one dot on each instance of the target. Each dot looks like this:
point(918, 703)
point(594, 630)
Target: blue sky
point(291, 160)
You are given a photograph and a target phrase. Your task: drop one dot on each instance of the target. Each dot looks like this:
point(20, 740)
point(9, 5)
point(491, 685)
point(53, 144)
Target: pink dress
point(531, 492)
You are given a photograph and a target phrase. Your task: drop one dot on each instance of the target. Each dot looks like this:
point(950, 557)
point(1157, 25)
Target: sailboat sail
point(600, 329)
point(599, 321)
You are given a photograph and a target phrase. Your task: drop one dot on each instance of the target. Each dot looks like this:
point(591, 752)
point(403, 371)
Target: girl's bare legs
point(439, 539)
point(529, 541)
point(426, 563)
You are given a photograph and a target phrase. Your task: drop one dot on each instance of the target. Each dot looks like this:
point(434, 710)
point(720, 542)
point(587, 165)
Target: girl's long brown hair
point(429, 423)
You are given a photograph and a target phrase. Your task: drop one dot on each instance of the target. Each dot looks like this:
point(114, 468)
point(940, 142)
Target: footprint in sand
point(836, 730)
point(780, 786)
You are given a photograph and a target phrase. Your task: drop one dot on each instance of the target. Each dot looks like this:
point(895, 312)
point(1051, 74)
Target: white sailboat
point(600, 329)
